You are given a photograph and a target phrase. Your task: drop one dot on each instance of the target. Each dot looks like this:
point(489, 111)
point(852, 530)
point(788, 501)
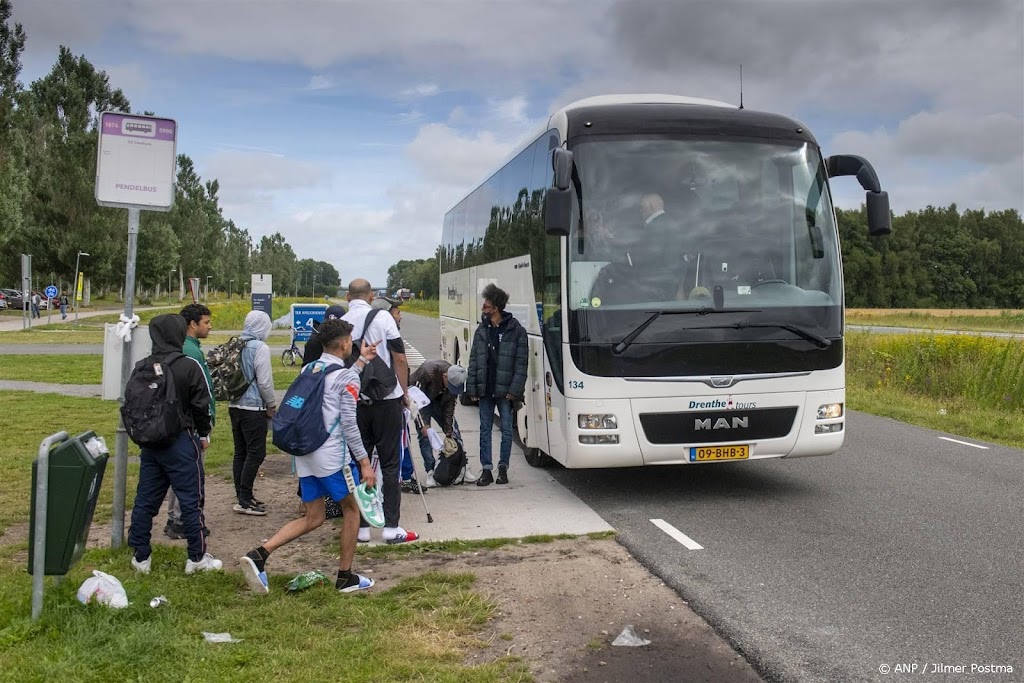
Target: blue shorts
point(337, 485)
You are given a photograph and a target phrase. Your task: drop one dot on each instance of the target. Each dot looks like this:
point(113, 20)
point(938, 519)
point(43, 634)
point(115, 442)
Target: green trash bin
point(75, 477)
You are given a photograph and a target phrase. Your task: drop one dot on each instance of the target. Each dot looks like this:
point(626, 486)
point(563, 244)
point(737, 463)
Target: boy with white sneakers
point(176, 463)
point(329, 470)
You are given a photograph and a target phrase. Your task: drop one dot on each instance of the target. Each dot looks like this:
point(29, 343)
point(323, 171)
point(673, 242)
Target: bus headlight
point(597, 422)
point(830, 411)
point(599, 438)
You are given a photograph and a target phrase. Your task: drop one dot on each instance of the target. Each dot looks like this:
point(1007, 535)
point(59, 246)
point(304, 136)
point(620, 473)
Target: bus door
point(532, 419)
point(554, 400)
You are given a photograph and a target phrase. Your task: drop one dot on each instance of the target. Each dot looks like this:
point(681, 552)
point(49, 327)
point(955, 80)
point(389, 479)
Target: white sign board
point(113, 347)
point(262, 284)
point(135, 164)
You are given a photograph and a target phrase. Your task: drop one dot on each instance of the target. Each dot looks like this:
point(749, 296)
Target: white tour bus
point(676, 264)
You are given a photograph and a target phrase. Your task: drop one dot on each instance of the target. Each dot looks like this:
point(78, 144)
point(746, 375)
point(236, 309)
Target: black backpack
point(152, 413)
point(451, 469)
point(377, 379)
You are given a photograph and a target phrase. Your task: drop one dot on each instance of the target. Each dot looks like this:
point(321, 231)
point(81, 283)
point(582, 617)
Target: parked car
point(14, 298)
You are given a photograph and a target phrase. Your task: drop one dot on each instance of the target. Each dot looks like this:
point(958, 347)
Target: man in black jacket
point(498, 364)
point(179, 465)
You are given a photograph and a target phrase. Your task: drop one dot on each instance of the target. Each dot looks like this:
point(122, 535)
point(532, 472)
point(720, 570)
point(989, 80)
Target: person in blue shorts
point(329, 470)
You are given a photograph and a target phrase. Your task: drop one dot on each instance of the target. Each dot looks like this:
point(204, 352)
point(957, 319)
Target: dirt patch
point(559, 605)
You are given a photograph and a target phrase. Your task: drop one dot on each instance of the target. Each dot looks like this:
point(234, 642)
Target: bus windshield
point(674, 223)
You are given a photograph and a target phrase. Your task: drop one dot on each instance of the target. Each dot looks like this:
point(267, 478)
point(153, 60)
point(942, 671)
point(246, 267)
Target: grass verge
point(88, 369)
point(427, 307)
point(1004, 321)
point(973, 386)
point(314, 635)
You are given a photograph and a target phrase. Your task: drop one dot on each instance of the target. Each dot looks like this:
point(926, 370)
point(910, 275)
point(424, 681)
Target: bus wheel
point(535, 457)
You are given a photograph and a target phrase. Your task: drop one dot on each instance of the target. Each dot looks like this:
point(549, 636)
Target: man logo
point(722, 423)
point(722, 382)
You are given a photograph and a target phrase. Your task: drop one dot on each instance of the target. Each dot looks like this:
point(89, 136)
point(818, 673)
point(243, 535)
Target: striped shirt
point(341, 392)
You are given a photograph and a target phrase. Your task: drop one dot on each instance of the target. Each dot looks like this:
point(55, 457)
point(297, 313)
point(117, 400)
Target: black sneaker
point(485, 479)
point(250, 508)
point(409, 486)
point(174, 530)
point(502, 476)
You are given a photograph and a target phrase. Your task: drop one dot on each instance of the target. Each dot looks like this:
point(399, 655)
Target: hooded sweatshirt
point(256, 364)
point(168, 335)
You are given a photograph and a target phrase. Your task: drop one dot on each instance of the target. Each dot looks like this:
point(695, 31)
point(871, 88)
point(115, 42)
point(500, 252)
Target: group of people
point(36, 303)
point(359, 427)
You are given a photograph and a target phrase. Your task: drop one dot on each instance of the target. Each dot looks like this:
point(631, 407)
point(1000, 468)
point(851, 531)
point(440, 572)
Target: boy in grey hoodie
point(251, 413)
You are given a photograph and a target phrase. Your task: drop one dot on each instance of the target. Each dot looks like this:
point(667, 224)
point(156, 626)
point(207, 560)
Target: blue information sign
point(262, 302)
point(51, 292)
point(303, 317)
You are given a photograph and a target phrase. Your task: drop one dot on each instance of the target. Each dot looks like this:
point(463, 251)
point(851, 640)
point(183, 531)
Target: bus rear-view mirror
point(557, 211)
point(879, 219)
point(561, 161)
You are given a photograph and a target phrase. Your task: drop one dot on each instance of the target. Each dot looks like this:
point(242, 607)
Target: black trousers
point(179, 467)
point(380, 424)
point(249, 429)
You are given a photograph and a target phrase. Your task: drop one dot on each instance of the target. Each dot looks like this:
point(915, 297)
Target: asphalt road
point(880, 329)
point(903, 548)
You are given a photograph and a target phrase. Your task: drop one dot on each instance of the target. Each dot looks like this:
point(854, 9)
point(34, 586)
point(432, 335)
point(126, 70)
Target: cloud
point(445, 156)
point(130, 78)
point(319, 82)
point(422, 90)
point(250, 181)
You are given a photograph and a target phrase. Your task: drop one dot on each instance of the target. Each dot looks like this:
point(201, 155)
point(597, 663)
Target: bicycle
point(291, 356)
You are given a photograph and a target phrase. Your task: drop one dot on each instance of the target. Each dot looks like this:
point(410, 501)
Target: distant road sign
point(51, 292)
point(303, 316)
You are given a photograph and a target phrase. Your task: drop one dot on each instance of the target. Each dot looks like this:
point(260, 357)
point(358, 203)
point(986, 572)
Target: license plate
point(711, 453)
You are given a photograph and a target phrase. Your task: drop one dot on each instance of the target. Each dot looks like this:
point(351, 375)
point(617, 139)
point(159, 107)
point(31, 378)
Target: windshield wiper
point(619, 348)
point(816, 339)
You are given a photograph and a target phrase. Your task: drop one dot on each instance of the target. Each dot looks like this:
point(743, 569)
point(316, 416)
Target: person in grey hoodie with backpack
point(251, 412)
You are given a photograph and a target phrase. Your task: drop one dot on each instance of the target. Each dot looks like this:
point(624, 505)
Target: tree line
point(48, 144)
point(936, 257)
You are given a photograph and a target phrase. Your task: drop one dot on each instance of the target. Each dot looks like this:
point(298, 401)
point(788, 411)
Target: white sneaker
point(364, 534)
point(468, 477)
point(430, 483)
point(144, 566)
point(209, 563)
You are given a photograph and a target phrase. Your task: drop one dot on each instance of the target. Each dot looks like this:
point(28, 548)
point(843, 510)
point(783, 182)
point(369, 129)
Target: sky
point(351, 127)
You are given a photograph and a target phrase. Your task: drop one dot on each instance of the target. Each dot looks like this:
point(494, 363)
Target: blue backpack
point(299, 421)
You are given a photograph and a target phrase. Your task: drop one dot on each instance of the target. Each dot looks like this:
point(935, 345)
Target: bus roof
point(650, 98)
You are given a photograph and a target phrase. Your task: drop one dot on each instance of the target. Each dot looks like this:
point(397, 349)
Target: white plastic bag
point(629, 638)
point(105, 589)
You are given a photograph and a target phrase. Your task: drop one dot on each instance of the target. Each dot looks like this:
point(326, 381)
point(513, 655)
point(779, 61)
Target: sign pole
point(121, 446)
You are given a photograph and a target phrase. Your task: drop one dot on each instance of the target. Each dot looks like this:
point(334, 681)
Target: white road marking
point(414, 357)
point(677, 534)
point(972, 445)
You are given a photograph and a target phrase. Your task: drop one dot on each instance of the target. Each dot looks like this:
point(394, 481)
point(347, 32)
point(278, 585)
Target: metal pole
point(74, 286)
point(39, 540)
point(121, 447)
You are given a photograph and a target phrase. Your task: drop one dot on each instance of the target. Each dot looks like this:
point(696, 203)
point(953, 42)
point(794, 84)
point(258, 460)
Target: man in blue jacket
point(498, 364)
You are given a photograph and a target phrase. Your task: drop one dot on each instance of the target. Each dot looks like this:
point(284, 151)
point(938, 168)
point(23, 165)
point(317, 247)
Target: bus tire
point(535, 457)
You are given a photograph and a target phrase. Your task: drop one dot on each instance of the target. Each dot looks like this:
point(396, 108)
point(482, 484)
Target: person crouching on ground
point(329, 469)
point(441, 382)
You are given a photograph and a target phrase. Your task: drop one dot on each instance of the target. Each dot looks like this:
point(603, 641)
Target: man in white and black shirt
point(381, 422)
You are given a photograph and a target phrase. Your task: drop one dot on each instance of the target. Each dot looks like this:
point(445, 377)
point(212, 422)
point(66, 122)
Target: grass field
point(315, 635)
point(984, 320)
